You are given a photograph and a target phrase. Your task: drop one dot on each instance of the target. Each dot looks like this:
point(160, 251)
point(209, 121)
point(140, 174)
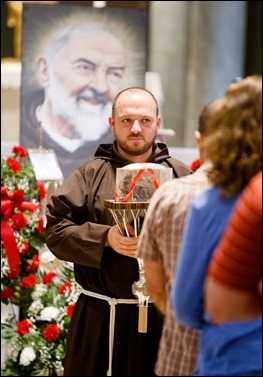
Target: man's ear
point(42, 72)
point(111, 123)
point(159, 121)
point(198, 137)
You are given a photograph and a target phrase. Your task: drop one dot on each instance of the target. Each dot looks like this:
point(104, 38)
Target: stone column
point(197, 47)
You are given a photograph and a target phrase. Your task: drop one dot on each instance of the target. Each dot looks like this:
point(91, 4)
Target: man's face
point(85, 78)
point(135, 123)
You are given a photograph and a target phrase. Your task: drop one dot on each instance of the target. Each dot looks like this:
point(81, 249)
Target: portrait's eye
point(115, 75)
point(84, 68)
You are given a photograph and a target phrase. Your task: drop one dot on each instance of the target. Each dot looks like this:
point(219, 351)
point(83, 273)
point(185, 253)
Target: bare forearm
point(155, 279)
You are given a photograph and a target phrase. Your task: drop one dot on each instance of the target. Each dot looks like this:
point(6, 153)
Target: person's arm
point(226, 304)
point(149, 250)
point(72, 233)
point(79, 225)
point(69, 233)
point(155, 279)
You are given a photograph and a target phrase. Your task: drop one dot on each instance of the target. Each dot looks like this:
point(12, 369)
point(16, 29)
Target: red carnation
point(51, 333)
point(20, 151)
point(70, 309)
point(195, 164)
point(13, 164)
point(28, 282)
point(48, 278)
point(63, 288)
point(42, 190)
point(34, 264)
point(6, 293)
point(18, 196)
point(40, 226)
point(23, 327)
point(19, 221)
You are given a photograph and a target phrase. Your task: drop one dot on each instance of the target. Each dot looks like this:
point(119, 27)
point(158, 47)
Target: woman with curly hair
point(234, 147)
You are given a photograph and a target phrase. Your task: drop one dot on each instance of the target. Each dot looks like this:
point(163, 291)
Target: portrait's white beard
point(90, 121)
point(90, 124)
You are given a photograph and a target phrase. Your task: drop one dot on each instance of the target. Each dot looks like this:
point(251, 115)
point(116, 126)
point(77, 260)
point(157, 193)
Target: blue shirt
point(221, 347)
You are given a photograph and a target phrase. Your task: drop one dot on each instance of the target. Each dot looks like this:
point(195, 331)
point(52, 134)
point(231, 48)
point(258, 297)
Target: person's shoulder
point(255, 184)
point(174, 188)
point(184, 187)
point(176, 183)
point(90, 168)
point(92, 163)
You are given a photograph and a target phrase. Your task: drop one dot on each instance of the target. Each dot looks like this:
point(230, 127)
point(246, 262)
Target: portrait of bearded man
point(79, 69)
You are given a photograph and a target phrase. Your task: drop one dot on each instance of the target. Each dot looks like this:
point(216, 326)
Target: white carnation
point(49, 313)
point(27, 355)
point(46, 256)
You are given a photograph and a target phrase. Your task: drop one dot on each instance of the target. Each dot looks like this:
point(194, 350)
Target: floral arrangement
point(38, 292)
point(36, 344)
point(195, 164)
point(22, 226)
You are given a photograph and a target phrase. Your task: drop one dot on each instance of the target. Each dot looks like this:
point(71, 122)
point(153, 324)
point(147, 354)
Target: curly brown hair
point(234, 136)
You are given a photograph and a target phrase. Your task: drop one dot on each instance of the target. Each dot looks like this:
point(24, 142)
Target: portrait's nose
point(98, 81)
point(136, 127)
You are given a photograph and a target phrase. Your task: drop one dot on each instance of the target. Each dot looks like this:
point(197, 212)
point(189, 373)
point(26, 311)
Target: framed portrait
point(75, 59)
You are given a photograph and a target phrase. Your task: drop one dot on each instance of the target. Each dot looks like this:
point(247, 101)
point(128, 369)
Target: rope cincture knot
point(112, 302)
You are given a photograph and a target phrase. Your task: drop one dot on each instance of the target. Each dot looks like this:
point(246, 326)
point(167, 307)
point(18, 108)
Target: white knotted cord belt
point(112, 302)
